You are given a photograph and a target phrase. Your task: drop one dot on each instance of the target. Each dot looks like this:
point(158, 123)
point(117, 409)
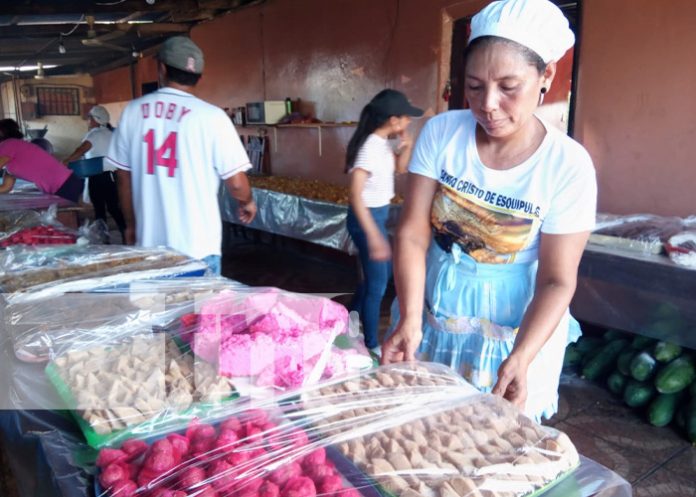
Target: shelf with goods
point(263, 130)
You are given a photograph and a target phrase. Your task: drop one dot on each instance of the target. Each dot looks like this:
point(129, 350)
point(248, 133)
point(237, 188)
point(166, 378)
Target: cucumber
point(666, 351)
point(572, 357)
point(676, 376)
point(643, 366)
point(680, 417)
point(691, 426)
point(616, 383)
point(623, 363)
point(641, 342)
point(662, 408)
point(586, 344)
point(602, 361)
point(610, 335)
point(638, 393)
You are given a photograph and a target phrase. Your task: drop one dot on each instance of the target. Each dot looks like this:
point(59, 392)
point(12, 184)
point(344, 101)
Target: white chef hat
point(99, 114)
point(537, 24)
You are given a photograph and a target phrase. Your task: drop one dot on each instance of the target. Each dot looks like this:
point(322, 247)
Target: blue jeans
point(368, 296)
point(214, 263)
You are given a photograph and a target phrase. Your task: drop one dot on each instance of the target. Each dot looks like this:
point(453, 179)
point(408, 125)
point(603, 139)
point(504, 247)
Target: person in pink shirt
point(24, 160)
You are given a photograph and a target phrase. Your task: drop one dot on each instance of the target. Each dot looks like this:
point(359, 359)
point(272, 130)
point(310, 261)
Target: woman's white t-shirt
point(100, 138)
point(376, 156)
point(496, 216)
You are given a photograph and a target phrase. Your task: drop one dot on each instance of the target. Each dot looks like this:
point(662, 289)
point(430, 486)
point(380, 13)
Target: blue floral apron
point(471, 316)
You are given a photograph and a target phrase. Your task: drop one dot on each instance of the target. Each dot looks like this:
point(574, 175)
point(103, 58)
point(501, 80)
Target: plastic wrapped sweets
point(404, 430)
point(644, 233)
point(43, 228)
point(28, 273)
point(143, 365)
point(44, 328)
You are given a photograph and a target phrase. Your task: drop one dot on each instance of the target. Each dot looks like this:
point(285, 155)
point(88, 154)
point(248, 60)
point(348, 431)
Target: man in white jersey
point(171, 150)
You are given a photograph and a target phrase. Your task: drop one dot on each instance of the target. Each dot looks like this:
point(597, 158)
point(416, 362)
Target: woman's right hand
point(379, 248)
point(403, 343)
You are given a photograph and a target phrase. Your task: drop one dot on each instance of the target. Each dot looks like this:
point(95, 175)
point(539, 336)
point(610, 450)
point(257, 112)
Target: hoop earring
point(541, 94)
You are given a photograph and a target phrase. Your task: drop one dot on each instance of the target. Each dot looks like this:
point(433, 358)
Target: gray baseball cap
point(182, 53)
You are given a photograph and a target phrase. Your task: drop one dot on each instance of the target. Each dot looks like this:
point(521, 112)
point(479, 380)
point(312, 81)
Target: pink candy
point(269, 489)
point(109, 456)
point(285, 473)
point(208, 463)
point(300, 486)
point(330, 484)
point(124, 488)
point(316, 458)
point(271, 335)
point(113, 473)
point(192, 475)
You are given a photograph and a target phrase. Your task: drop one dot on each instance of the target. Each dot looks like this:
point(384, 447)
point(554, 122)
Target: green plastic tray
point(97, 440)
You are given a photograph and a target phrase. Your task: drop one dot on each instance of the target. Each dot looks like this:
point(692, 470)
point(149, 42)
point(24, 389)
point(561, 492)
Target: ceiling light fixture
point(39, 71)
point(61, 47)
point(25, 68)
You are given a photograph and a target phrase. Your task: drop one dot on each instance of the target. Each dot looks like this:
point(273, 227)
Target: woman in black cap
point(372, 162)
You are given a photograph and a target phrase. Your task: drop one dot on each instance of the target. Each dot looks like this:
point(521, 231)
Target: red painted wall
point(635, 105)
point(636, 109)
point(115, 85)
point(112, 86)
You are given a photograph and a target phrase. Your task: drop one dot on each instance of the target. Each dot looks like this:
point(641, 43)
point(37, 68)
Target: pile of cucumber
point(655, 376)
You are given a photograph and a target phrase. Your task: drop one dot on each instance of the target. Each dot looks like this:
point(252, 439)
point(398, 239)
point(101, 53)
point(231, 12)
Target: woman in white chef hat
point(498, 211)
point(103, 192)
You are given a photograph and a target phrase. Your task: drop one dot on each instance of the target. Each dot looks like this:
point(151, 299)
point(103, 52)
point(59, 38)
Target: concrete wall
point(634, 109)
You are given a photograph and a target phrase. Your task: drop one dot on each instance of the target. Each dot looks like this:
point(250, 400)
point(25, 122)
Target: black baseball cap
point(394, 103)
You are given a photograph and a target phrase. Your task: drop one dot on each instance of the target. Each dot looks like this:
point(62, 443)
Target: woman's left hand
point(512, 380)
point(405, 142)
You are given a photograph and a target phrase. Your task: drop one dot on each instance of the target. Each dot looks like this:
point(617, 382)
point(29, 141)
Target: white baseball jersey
point(177, 148)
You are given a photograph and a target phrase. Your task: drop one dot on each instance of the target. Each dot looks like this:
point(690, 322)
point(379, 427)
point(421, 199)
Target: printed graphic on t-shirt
point(489, 234)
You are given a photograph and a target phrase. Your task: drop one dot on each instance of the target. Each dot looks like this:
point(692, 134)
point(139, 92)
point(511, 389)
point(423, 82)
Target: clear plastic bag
point(269, 339)
point(404, 430)
point(42, 329)
point(681, 248)
point(30, 273)
point(126, 365)
point(637, 232)
point(36, 228)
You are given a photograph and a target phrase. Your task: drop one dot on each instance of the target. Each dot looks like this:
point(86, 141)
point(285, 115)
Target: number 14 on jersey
point(164, 155)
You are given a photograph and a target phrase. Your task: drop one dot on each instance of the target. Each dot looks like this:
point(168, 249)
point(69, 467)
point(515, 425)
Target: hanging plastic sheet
point(297, 217)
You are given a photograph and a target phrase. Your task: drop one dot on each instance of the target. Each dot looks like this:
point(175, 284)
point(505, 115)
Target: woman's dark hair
point(9, 129)
point(530, 55)
point(370, 120)
point(181, 77)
